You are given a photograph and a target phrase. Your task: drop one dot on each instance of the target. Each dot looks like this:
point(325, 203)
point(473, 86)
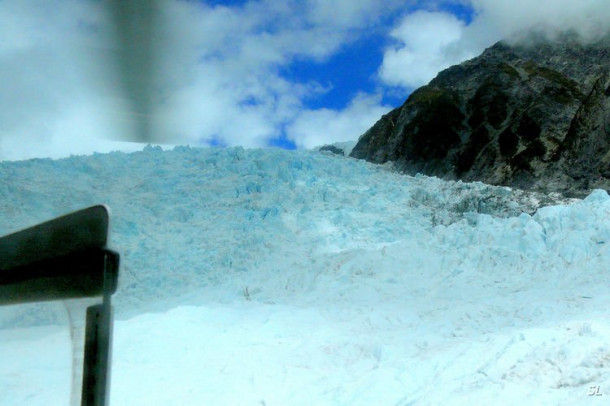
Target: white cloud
point(234, 92)
point(515, 18)
point(349, 13)
point(324, 126)
point(56, 96)
point(219, 75)
point(426, 44)
point(218, 78)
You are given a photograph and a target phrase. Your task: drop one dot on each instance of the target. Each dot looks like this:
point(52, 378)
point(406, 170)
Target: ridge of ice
point(474, 286)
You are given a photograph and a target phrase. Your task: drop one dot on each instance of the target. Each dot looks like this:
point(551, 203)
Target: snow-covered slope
point(296, 277)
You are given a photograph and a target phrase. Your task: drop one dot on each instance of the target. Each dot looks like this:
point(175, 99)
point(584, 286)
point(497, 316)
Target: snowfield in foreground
point(270, 277)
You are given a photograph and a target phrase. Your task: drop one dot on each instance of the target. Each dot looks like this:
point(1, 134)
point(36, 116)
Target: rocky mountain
point(533, 117)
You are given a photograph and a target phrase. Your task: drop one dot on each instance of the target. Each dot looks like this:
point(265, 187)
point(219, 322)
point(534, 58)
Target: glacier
point(273, 277)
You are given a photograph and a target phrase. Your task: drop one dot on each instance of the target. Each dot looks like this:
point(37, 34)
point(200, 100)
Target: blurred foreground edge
point(67, 258)
point(134, 22)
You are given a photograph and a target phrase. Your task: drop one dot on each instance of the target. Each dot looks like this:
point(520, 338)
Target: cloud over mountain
point(429, 41)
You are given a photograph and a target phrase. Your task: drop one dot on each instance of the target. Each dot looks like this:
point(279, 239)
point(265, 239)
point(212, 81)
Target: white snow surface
point(272, 277)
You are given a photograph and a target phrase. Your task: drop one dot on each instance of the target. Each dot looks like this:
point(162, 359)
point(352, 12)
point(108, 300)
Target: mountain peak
point(533, 115)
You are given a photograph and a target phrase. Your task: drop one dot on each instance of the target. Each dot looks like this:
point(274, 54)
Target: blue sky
point(255, 73)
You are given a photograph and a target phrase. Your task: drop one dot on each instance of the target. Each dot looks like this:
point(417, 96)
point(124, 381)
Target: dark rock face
point(332, 149)
point(534, 117)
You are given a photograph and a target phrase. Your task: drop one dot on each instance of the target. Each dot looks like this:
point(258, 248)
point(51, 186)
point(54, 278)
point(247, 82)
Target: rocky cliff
point(533, 117)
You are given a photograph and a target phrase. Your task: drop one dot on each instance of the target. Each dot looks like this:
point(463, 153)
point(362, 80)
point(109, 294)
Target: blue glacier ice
point(325, 266)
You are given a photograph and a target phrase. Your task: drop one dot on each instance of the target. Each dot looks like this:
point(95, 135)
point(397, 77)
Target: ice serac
point(535, 117)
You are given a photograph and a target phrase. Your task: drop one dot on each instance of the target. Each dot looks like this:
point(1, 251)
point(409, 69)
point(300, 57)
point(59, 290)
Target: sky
point(293, 74)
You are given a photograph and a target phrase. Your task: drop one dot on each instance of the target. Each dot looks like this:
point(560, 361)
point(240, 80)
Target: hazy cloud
point(516, 18)
point(318, 127)
point(429, 41)
point(234, 92)
point(56, 92)
point(426, 44)
point(219, 78)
